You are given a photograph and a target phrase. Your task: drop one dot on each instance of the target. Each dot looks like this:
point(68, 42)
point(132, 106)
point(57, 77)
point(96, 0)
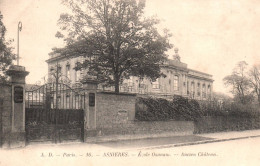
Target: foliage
point(228, 117)
point(6, 55)
point(156, 109)
point(214, 108)
point(115, 37)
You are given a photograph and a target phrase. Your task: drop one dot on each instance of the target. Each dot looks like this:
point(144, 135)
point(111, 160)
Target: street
point(236, 152)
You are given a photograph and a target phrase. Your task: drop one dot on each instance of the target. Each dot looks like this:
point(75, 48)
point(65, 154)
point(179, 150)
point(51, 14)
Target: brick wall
point(151, 128)
point(5, 111)
point(114, 109)
point(115, 116)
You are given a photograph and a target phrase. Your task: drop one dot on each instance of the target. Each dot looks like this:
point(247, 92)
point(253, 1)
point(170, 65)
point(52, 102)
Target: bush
point(157, 109)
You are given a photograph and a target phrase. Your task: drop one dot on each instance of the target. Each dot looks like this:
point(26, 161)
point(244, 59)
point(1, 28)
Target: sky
point(212, 36)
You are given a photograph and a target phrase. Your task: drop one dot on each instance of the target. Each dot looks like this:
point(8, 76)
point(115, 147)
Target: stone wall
point(115, 115)
point(5, 112)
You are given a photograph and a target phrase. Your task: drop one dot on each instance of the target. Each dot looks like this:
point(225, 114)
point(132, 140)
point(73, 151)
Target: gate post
point(15, 136)
point(90, 85)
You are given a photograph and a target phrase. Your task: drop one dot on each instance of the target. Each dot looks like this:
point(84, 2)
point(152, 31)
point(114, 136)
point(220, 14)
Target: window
point(68, 70)
point(67, 101)
point(51, 69)
point(198, 89)
point(176, 83)
point(209, 90)
point(59, 69)
point(76, 101)
point(204, 91)
point(52, 103)
point(91, 99)
point(184, 87)
point(77, 71)
point(58, 102)
point(130, 83)
point(188, 87)
point(155, 84)
point(192, 89)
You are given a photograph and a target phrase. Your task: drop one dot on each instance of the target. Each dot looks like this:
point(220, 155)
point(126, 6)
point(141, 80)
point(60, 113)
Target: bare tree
point(254, 78)
point(239, 82)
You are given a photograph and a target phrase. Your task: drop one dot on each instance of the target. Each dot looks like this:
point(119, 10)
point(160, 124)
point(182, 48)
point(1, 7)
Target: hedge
point(180, 108)
point(158, 109)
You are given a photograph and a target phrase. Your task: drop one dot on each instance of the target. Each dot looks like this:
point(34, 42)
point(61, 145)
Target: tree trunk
point(116, 84)
point(258, 97)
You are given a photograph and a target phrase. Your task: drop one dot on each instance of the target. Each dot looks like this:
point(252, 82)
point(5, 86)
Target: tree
point(6, 55)
point(240, 83)
point(115, 37)
point(254, 79)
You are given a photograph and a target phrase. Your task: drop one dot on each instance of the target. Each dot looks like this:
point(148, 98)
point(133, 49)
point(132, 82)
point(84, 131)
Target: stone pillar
point(90, 86)
point(15, 137)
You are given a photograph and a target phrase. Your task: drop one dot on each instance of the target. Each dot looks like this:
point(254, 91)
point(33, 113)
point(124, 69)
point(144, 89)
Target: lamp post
point(18, 29)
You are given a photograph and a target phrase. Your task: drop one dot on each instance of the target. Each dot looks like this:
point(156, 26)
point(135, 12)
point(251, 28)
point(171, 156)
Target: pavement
point(176, 141)
point(151, 143)
point(108, 153)
point(156, 143)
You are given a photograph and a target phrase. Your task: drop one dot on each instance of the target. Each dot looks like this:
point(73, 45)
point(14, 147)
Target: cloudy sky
point(212, 36)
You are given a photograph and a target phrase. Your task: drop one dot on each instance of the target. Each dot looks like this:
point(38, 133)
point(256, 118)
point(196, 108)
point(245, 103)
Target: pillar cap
point(17, 70)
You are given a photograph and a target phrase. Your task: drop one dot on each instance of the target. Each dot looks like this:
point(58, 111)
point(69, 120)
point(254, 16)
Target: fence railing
point(36, 116)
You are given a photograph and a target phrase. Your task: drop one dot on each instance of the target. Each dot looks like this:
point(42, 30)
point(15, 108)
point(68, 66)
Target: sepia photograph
point(129, 82)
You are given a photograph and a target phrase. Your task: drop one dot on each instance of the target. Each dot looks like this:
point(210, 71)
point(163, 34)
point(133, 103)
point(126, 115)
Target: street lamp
point(19, 29)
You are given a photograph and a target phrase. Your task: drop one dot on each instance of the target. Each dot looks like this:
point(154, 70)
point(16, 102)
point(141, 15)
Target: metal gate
point(55, 113)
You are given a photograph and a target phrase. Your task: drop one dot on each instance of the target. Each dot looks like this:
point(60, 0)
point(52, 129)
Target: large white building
point(179, 80)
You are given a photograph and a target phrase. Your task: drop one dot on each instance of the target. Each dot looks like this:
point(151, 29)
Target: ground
point(235, 152)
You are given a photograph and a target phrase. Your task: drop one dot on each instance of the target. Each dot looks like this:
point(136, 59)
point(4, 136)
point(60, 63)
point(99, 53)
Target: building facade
point(179, 80)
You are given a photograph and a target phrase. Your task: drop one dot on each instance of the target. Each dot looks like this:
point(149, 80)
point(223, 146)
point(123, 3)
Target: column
point(17, 80)
point(90, 87)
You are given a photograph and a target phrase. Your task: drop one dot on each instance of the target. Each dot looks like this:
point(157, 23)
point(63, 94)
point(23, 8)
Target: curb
point(196, 143)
